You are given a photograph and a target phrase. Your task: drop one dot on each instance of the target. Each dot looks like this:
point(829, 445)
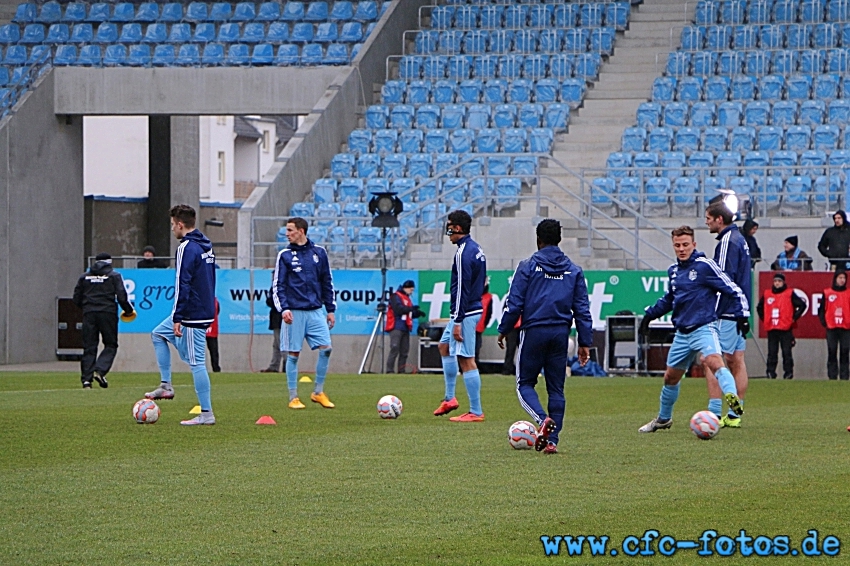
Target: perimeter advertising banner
point(809, 286)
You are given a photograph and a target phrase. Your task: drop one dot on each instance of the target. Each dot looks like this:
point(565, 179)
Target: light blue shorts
point(687, 347)
point(730, 340)
point(465, 349)
point(192, 346)
point(312, 325)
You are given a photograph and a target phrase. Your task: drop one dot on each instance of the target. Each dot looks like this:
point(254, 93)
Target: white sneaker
point(202, 419)
point(160, 393)
point(654, 425)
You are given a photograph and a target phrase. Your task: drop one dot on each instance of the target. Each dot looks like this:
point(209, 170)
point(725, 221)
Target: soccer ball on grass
point(146, 411)
point(705, 425)
point(521, 435)
point(389, 407)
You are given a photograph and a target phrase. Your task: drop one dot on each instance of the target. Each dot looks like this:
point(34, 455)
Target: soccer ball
point(389, 407)
point(521, 435)
point(146, 411)
point(705, 425)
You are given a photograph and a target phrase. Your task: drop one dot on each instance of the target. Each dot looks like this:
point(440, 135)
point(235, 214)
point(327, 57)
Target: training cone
point(265, 419)
point(196, 410)
point(305, 379)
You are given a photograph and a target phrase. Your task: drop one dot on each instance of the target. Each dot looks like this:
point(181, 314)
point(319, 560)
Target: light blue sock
point(726, 381)
point(733, 415)
point(472, 381)
point(669, 394)
point(715, 406)
point(292, 376)
point(322, 369)
point(450, 375)
point(163, 357)
point(202, 386)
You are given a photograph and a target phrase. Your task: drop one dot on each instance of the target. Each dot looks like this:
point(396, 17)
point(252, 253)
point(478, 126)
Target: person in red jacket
point(779, 308)
point(399, 325)
point(486, 315)
point(834, 314)
point(212, 340)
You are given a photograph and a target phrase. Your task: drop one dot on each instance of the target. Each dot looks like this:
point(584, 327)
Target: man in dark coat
point(835, 242)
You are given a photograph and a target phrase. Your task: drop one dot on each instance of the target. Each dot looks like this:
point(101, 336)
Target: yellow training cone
point(196, 410)
point(305, 379)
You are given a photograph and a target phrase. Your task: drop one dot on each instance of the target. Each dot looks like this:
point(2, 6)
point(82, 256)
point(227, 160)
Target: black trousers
point(775, 340)
point(97, 326)
point(836, 368)
point(399, 348)
point(511, 341)
point(478, 341)
point(212, 346)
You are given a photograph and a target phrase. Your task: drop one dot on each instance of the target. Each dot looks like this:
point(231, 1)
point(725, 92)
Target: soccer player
point(691, 295)
point(457, 345)
point(732, 256)
point(194, 311)
point(547, 291)
point(304, 295)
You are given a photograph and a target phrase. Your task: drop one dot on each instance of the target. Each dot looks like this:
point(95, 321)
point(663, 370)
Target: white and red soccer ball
point(705, 425)
point(146, 411)
point(389, 407)
point(522, 435)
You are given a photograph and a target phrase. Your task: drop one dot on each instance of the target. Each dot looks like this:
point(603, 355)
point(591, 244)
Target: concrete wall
point(190, 91)
point(41, 222)
point(224, 237)
point(115, 226)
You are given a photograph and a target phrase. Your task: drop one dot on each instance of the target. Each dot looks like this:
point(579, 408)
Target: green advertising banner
point(609, 292)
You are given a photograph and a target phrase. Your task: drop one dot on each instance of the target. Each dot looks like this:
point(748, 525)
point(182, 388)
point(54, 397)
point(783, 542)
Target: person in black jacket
point(749, 231)
point(275, 320)
point(835, 242)
point(96, 293)
point(149, 260)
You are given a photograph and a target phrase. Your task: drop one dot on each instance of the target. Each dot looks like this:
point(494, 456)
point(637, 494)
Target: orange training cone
point(265, 419)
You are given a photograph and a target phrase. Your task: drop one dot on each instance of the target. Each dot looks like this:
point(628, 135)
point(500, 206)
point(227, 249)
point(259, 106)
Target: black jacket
point(151, 264)
point(99, 288)
point(275, 318)
point(835, 242)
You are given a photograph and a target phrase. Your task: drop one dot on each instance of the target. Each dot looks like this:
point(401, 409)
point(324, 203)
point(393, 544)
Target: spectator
point(486, 315)
point(275, 320)
point(749, 230)
point(399, 325)
point(96, 294)
point(784, 308)
point(835, 242)
point(834, 314)
point(212, 340)
point(793, 258)
point(148, 260)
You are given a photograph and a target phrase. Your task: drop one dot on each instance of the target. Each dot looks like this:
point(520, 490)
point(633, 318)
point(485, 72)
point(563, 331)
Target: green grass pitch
point(82, 483)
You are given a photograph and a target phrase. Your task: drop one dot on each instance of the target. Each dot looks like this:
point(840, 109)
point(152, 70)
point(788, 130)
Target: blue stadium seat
point(743, 88)
point(706, 12)
point(188, 55)
point(478, 116)
point(460, 67)
point(287, 54)
point(316, 12)
point(484, 66)
point(687, 139)
point(327, 214)
point(550, 41)
point(504, 115)
point(838, 11)
point(520, 90)
point(461, 140)
point(57, 33)
point(757, 63)
point(90, 56)
point(204, 32)
point(813, 61)
point(634, 139)
point(784, 113)
point(515, 140)
point(693, 38)
point(758, 12)
point(703, 114)
point(530, 115)
point(326, 32)
point(487, 140)
point(540, 15)
point(490, 16)
point(401, 116)
point(838, 60)
point(840, 158)
point(825, 137)
point(617, 14)
point(784, 62)
point(675, 114)
point(360, 141)
point(377, 116)
point(663, 89)
point(602, 190)
point(525, 165)
point(419, 166)
point(366, 11)
point(352, 32)
point(657, 191)
point(197, 12)
point(714, 139)
point(10, 33)
point(507, 191)
point(660, 139)
point(278, 32)
point(385, 141)
point(785, 11)
point(106, 33)
point(172, 12)
point(711, 186)
point(535, 67)
point(717, 89)
point(50, 13)
point(262, 54)
point(673, 163)
point(591, 14)
point(501, 41)
point(732, 11)
point(368, 165)
point(472, 167)
point(699, 161)
point(410, 141)
point(453, 116)
point(355, 211)
point(689, 89)
point(757, 113)
point(839, 112)
point(546, 90)
point(628, 191)
point(495, 91)
point(434, 67)
point(65, 55)
point(115, 55)
point(587, 66)
point(770, 138)
point(336, 54)
point(15, 55)
point(139, 55)
point(825, 35)
point(797, 189)
point(342, 11)
point(33, 33)
point(302, 32)
point(718, 37)
point(798, 36)
point(428, 116)
point(227, 33)
point(38, 54)
point(812, 162)
point(179, 33)
point(469, 91)
point(771, 87)
point(572, 92)
point(645, 163)
point(756, 163)
point(351, 190)
point(238, 54)
point(244, 12)
point(303, 209)
point(292, 12)
point(155, 33)
point(812, 113)
point(826, 86)
point(342, 165)
point(124, 12)
point(516, 16)
point(744, 37)
point(783, 163)
point(445, 164)
point(704, 63)
point(727, 163)
point(268, 12)
point(99, 12)
point(131, 33)
point(25, 13)
point(618, 163)
point(648, 115)
point(812, 11)
point(442, 17)
point(685, 192)
point(324, 190)
point(253, 32)
point(730, 114)
point(743, 138)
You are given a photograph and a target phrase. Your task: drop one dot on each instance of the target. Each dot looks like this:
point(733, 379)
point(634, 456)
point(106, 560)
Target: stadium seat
point(15, 55)
point(287, 54)
point(731, 63)
point(504, 115)
point(742, 139)
point(672, 164)
point(660, 139)
point(487, 140)
point(634, 139)
point(453, 116)
point(515, 140)
point(703, 114)
point(530, 115)
point(646, 163)
point(436, 141)
point(366, 11)
point(699, 162)
point(675, 114)
point(33, 34)
point(572, 92)
point(351, 190)
point(237, 54)
point(743, 88)
point(687, 139)
point(602, 191)
point(730, 114)
point(798, 138)
point(812, 162)
point(461, 141)
point(478, 116)
point(727, 163)
point(106, 33)
point(825, 137)
point(368, 165)
point(663, 89)
point(65, 55)
point(352, 32)
point(770, 138)
point(139, 55)
point(756, 113)
point(57, 33)
point(783, 163)
point(172, 12)
point(419, 165)
point(618, 164)
point(131, 33)
point(445, 164)
point(197, 12)
point(302, 32)
point(115, 55)
point(714, 139)
point(689, 89)
point(262, 54)
point(316, 12)
point(717, 89)
point(756, 162)
point(495, 91)
point(90, 56)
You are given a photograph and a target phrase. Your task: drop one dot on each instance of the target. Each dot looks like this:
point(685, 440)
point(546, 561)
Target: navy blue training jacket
point(194, 298)
point(691, 294)
point(548, 289)
point(732, 256)
point(302, 279)
point(469, 274)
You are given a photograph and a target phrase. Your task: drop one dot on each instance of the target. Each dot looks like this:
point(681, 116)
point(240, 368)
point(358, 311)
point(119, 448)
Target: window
point(265, 141)
point(221, 171)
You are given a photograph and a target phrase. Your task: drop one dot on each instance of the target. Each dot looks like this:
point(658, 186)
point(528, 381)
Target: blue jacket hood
point(198, 237)
point(552, 260)
point(696, 254)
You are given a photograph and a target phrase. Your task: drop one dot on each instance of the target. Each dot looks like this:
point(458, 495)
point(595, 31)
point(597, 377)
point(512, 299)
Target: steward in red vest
point(779, 308)
point(399, 325)
point(834, 314)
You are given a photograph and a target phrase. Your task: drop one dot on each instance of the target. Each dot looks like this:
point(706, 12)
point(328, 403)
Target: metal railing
point(163, 262)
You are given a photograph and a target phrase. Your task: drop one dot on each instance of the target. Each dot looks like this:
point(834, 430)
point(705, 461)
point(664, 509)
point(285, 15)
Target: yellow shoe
point(322, 400)
point(296, 404)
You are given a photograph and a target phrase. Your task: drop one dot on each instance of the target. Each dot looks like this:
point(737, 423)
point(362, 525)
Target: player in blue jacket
point(457, 345)
point(194, 311)
point(548, 291)
point(732, 256)
point(304, 295)
point(694, 283)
